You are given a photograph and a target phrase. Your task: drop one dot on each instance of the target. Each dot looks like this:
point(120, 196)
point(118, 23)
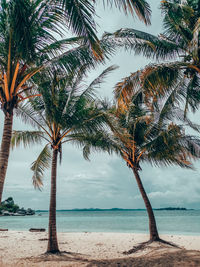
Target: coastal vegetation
point(9, 208)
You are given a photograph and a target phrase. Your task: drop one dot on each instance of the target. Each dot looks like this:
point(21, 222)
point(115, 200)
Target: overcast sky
point(105, 181)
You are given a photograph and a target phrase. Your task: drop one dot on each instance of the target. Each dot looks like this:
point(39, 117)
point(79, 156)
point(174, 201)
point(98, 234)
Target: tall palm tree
point(66, 112)
point(142, 136)
point(23, 32)
point(178, 50)
point(27, 45)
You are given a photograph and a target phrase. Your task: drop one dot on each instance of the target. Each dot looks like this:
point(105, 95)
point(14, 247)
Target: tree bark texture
point(52, 240)
point(5, 149)
point(152, 222)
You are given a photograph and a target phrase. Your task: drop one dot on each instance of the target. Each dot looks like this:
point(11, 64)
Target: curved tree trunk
point(5, 149)
point(152, 222)
point(52, 240)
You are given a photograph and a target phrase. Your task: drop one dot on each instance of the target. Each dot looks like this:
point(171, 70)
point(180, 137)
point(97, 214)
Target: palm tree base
point(53, 252)
point(144, 245)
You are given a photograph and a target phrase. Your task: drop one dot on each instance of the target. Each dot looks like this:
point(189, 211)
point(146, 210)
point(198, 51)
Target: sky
point(104, 181)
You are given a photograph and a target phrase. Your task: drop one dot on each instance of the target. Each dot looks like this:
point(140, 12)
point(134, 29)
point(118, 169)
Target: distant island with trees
point(9, 208)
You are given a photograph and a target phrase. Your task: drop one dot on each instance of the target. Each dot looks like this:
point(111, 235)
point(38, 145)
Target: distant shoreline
point(120, 209)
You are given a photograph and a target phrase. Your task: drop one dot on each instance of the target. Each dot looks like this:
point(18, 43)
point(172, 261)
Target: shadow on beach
point(183, 258)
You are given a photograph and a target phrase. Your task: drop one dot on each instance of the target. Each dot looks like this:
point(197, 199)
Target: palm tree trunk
point(52, 240)
point(152, 222)
point(5, 149)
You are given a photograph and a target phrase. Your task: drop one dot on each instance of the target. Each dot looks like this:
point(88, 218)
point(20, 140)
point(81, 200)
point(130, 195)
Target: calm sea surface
point(169, 222)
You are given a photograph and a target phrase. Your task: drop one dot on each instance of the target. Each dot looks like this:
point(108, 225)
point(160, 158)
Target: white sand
point(25, 248)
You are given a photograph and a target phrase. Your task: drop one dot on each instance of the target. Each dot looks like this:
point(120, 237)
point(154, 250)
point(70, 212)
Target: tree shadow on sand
point(63, 256)
point(156, 255)
point(147, 244)
point(181, 258)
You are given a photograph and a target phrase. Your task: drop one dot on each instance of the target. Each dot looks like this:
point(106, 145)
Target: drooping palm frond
point(191, 94)
point(27, 138)
point(140, 7)
point(40, 165)
point(151, 46)
point(125, 90)
point(154, 81)
point(72, 59)
point(29, 114)
point(89, 91)
point(80, 19)
point(58, 47)
point(97, 142)
point(100, 79)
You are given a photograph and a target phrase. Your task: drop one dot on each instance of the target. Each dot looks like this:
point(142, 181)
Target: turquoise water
point(169, 222)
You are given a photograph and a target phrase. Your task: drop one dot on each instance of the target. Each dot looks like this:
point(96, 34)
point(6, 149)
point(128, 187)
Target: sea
point(181, 222)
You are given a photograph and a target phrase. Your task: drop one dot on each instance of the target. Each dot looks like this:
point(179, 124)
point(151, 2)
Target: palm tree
point(27, 45)
point(21, 37)
point(178, 50)
point(142, 136)
point(66, 112)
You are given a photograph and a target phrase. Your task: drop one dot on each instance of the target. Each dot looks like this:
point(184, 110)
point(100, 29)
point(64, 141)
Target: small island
point(171, 208)
point(9, 208)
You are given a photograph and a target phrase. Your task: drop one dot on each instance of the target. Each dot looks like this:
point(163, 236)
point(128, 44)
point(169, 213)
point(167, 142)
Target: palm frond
point(29, 114)
point(40, 165)
point(151, 46)
point(100, 79)
point(72, 59)
point(140, 7)
point(97, 142)
point(27, 138)
point(80, 16)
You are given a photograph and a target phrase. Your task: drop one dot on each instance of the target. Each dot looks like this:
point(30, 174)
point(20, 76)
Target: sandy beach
point(23, 248)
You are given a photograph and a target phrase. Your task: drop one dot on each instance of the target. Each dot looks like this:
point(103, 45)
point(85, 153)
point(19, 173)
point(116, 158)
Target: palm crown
point(65, 112)
point(28, 45)
point(142, 137)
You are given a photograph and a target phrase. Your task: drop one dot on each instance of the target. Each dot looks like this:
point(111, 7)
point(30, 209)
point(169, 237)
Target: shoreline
point(161, 233)
point(27, 249)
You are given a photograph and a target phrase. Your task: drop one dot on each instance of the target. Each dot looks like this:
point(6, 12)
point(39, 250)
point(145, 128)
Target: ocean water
point(169, 222)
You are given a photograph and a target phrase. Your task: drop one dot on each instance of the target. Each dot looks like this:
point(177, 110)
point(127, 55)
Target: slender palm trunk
point(152, 222)
point(5, 149)
point(52, 241)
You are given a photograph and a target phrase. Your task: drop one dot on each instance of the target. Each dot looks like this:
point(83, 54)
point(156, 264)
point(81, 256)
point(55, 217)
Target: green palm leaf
point(27, 138)
point(40, 165)
point(140, 7)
